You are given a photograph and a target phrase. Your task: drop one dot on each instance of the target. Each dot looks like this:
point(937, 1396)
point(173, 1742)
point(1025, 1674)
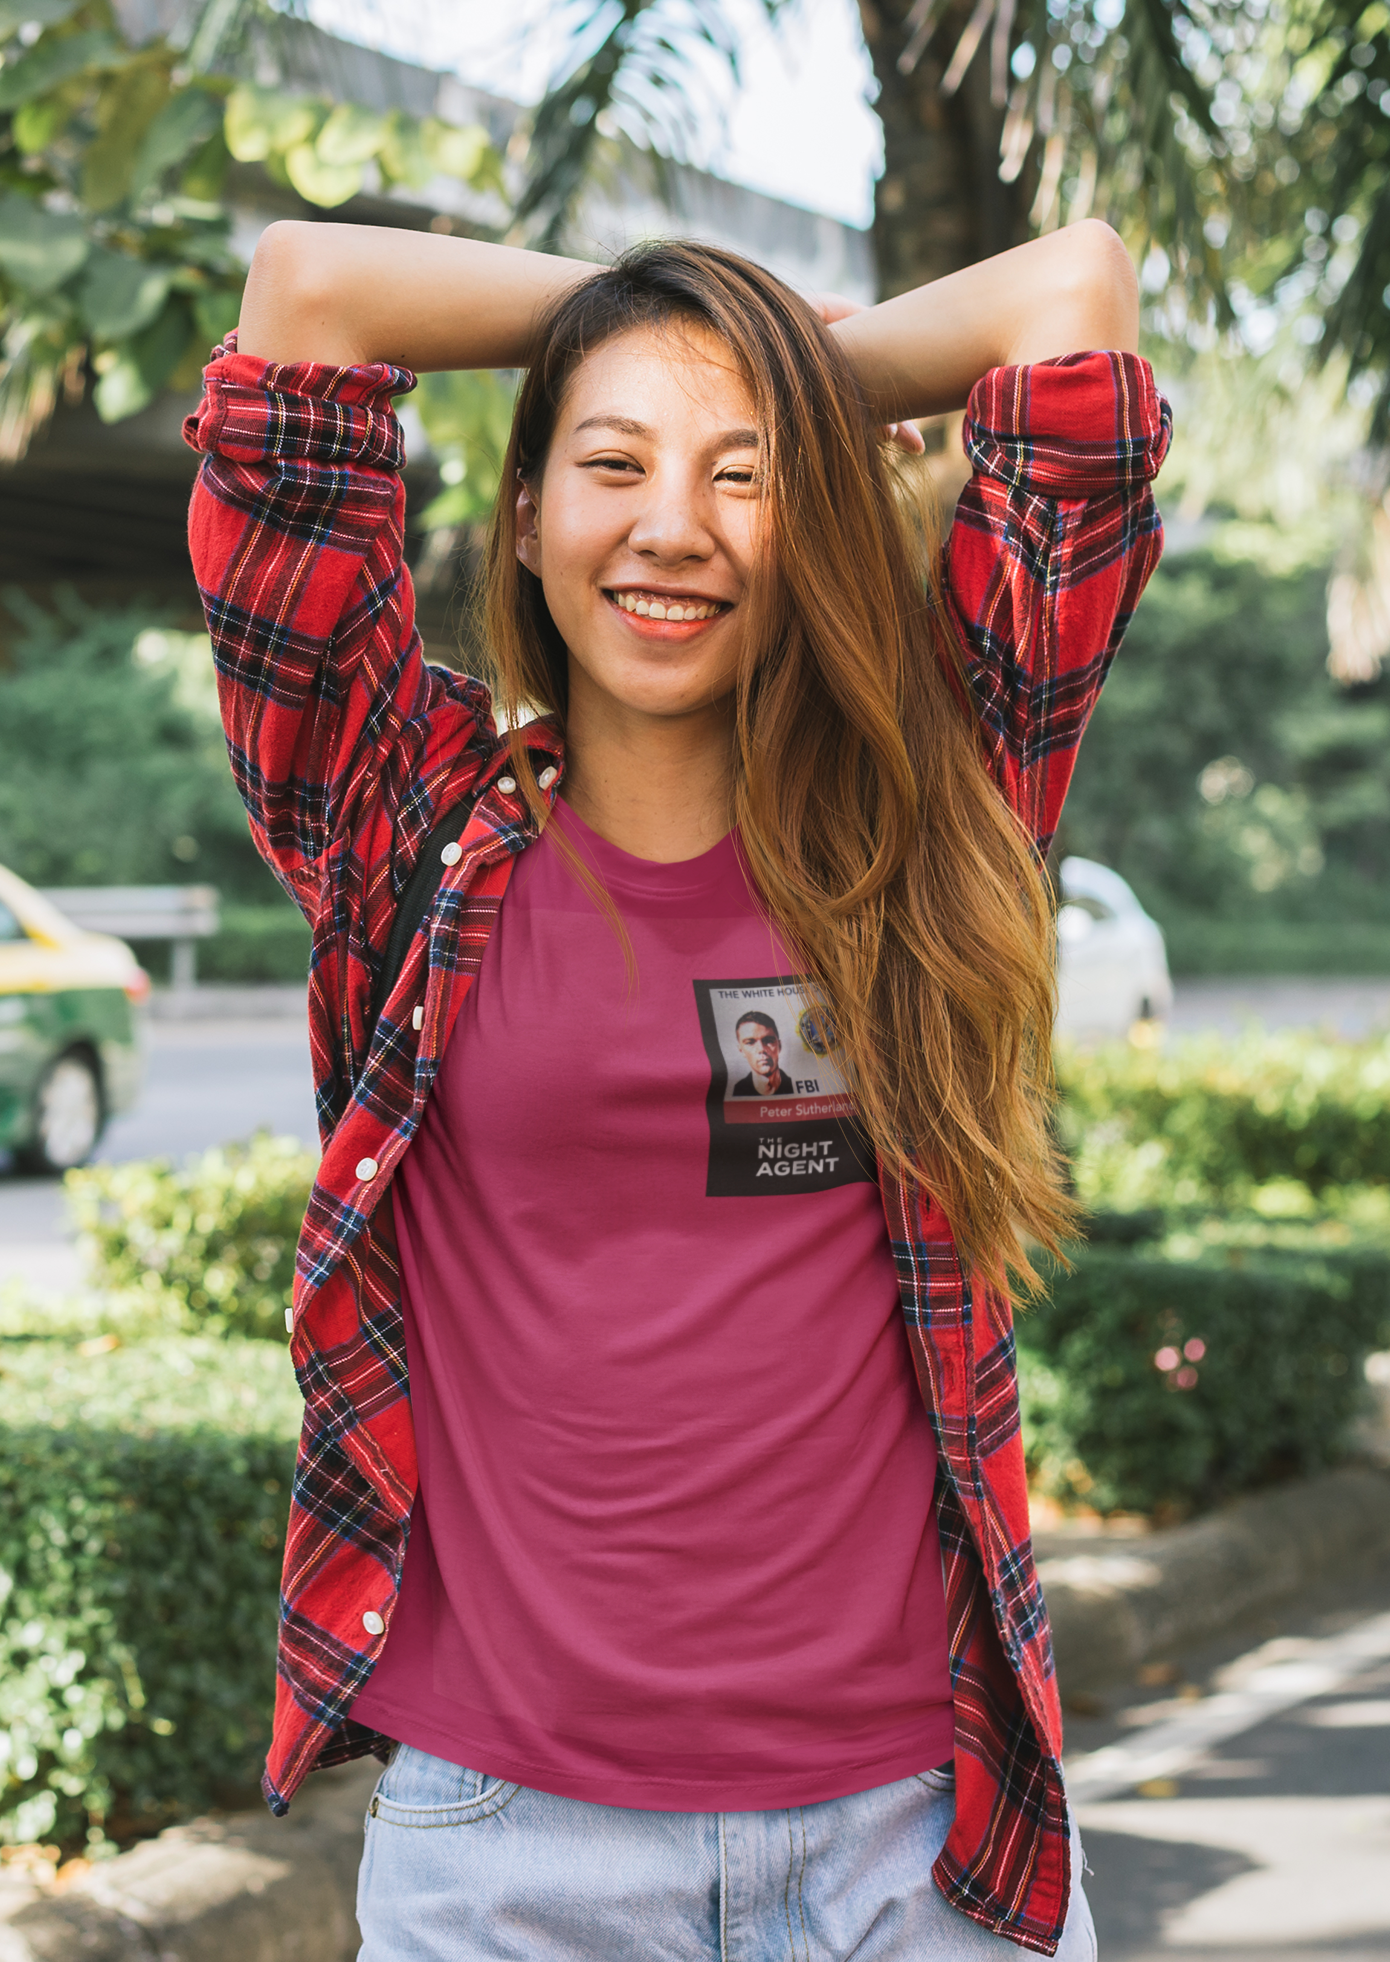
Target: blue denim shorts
point(462, 1867)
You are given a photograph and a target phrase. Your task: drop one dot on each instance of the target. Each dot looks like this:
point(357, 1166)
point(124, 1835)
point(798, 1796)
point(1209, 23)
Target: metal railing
point(182, 915)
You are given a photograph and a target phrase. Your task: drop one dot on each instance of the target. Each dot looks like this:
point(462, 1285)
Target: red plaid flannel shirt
point(347, 749)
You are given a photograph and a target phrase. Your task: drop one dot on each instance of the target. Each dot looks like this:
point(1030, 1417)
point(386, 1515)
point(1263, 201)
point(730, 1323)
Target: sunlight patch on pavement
point(1322, 1867)
point(1264, 1684)
point(1372, 1713)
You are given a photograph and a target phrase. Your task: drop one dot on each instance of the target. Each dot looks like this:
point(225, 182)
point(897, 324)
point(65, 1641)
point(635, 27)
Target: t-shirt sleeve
point(335, 726)
point(1054, 539)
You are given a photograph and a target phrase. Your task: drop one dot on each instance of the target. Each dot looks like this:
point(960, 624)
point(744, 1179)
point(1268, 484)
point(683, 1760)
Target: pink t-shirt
point(674, 1544)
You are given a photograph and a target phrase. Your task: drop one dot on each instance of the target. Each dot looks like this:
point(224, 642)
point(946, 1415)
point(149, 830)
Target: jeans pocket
point(417, 1789)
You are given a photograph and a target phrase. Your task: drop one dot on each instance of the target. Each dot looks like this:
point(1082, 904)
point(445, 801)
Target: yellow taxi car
point(70, 1037)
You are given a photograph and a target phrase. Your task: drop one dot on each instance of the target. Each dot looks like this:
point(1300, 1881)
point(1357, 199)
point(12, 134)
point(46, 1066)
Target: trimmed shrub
point(1207, 1121)
point(257, 943)
point(1199, 944)
point(208, 1245)
point(1157, 1384)
point(143, 1498)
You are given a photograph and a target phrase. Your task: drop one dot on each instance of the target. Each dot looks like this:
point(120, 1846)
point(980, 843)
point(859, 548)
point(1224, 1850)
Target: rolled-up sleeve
point(1054, 539)
point(296, 532)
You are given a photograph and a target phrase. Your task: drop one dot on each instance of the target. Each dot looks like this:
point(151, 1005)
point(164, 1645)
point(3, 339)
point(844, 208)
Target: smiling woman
point(652, 512)
point(660, 1514)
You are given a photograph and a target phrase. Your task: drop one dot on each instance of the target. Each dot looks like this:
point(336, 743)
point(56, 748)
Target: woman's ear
point(528, 535)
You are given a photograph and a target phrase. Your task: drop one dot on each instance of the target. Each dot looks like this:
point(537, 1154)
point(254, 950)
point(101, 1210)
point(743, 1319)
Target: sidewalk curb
point(243, 1887)
point(1115, 1607)
point(268, 1001)
point(235, 1887)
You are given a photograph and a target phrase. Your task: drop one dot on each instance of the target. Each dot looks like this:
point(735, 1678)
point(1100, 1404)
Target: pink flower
point(1194, 1349)
point(1167, 1359)
point(1187, 1378)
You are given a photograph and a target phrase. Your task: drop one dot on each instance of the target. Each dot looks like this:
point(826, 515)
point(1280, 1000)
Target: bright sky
point(800, 127)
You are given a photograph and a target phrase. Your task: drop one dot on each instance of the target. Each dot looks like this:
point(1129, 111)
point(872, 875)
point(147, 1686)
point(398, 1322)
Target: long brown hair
point(875, 835)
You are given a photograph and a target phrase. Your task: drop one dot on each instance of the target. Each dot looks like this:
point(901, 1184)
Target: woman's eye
point(738, 474)
point(624, 463)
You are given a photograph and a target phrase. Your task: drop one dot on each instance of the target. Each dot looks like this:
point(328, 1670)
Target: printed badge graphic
point(780, 1114)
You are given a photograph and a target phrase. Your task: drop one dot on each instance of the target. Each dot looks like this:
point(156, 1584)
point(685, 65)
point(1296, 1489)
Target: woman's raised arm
point(922, 352)
point(345, 294)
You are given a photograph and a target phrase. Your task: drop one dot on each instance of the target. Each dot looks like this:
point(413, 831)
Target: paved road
point(207, 1082)
point(1343, 1008)
point(1272, 1843)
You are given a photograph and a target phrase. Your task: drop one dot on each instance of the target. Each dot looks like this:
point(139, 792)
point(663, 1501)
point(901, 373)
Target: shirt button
point(547, 777)
point(373, 1623)
point(417, 1016)
point(506, 785)
point(367, 1168)
point(289, 1321)
point(452, 853)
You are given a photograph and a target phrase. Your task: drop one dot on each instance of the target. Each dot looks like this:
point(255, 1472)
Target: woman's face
point(644, 524)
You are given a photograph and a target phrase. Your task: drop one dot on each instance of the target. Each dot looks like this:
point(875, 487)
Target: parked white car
point(1112, 966)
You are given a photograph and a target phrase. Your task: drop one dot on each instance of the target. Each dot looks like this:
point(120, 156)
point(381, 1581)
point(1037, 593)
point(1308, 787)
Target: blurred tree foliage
point(468, 418)
point(999, 118)
point(1226, 774)
point(112, 763)
point(115, 252)
point(1314, 235)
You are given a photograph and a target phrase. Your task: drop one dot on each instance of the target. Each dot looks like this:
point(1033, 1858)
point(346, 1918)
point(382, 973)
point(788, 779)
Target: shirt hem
point(632, 1792)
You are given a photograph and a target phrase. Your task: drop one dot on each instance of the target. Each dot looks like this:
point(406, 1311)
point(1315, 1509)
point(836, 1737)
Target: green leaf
point(404, 156)
point(465, 153)
point(14, 13)
point(39, 249)
point(186, 120)
point(120, 295)
point(260, 121)
point(457, 504)
point(216, 312)
point(52, 62)
point(467, 417)
point(351, 135)
point(37, 123)
point(145, 363)
point(319, 182)
point(207, 169)
point(129, 103)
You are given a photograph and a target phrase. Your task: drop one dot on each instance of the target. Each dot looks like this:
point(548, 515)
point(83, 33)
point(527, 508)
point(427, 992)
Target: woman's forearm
point(923, 352)
point(350, 293)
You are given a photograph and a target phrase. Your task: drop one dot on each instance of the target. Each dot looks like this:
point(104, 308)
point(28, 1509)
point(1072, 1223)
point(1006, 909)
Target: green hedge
point(1200, 944)
point(252, 944)
point(143, 1497)
point(1150, 1383)
point(1208, 1121)
point(257, 943)
point(208, 1245)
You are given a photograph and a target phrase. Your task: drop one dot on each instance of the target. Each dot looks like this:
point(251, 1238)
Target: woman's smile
point(644, 525)
point(659, 612)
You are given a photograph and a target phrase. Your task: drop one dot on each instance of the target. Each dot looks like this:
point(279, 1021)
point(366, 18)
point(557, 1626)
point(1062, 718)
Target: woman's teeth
point(656, 609)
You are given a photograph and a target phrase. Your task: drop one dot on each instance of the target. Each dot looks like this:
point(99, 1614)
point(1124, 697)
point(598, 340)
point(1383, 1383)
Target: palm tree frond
point(641, 63)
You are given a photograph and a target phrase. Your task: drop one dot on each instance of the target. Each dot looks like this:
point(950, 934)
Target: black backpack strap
point(424, 881)
point(418, 896)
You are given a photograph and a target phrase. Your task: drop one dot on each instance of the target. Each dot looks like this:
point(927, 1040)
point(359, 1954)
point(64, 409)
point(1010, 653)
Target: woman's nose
point(671, 525)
